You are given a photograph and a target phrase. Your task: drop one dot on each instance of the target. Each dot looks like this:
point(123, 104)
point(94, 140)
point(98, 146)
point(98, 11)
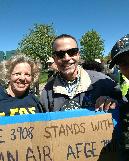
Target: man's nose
point(66, 56)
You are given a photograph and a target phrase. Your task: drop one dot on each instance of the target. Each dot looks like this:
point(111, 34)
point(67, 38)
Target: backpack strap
point(50, 98)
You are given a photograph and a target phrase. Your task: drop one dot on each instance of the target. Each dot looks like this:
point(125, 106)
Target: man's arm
point(110, 101)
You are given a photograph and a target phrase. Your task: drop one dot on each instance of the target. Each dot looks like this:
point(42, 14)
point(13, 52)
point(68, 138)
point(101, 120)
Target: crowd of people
point(71, 85)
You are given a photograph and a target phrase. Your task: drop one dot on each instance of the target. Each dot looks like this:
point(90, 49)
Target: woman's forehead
point(22, 66)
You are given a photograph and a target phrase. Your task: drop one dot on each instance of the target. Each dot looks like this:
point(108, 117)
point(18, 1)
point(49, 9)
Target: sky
point(110, 18)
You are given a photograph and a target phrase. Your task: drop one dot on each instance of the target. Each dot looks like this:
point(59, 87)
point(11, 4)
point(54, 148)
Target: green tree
point(107, 57)
point(92, 46)
point(37, 43)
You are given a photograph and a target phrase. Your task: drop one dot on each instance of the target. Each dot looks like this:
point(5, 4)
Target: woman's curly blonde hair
point(7, 66)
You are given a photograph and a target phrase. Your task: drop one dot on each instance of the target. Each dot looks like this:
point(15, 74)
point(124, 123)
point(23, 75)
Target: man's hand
point(104, 103)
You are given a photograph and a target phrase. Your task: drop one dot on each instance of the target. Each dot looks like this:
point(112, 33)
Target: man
point(52, 67)
point(120, 57)
point(73, 87)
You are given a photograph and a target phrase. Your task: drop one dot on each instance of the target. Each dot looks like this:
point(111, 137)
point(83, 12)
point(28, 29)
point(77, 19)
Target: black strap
point(41, 108)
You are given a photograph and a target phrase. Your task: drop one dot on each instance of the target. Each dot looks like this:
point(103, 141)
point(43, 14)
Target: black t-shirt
point(10, 106)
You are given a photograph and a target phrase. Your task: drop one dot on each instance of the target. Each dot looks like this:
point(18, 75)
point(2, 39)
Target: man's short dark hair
point(64, 36)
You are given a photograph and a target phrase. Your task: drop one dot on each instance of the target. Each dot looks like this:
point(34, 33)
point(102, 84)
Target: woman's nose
point(22, 77)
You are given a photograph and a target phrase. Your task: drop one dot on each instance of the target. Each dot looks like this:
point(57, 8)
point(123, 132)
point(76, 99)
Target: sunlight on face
point(21, 79)
point(68, 64)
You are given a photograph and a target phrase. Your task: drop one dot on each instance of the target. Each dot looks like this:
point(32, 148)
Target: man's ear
point(54, 57)
point(79, 54)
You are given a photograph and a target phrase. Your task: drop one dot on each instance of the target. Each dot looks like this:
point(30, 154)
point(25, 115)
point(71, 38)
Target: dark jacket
point(92, 85)
point(124, 119)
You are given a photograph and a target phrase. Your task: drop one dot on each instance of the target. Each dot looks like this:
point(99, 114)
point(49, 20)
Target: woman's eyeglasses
point(61, 54)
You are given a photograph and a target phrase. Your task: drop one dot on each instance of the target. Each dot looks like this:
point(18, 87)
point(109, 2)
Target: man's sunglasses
point(122, 62)
point(61, 54)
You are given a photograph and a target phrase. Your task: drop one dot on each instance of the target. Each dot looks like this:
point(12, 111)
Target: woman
point(19, 74)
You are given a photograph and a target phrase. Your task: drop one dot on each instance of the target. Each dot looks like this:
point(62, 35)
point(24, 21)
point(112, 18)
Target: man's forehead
point(65, 42)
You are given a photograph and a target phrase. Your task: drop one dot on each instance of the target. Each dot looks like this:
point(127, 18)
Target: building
point(9, 54)
point(2, 56)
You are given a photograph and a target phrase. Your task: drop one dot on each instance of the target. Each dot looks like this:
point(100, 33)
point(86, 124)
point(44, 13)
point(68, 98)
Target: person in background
point(73, 87)
point(113, 73)
point(120, 57)
point(19, 73)
point(52, 67)
point(93, 65)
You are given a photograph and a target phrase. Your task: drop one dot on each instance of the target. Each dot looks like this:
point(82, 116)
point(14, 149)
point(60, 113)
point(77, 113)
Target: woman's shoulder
point(3, 93)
